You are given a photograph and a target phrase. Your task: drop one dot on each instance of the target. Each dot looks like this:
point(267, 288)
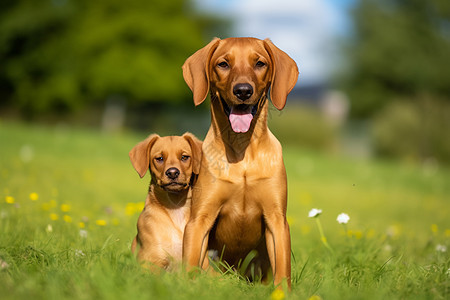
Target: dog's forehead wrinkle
point(158, 149)
point(171, 146)
point(244, 48)
point(183, 151)
point(249, 54)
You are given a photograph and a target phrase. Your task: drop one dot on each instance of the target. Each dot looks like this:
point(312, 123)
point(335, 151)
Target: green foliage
point(389, 249)
point(62, 54)
point(302, 126)
point(400, 49)
point(416, 130)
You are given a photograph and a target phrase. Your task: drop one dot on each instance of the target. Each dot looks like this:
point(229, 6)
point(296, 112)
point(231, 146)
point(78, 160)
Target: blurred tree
point(400, 50)
point(61, 54)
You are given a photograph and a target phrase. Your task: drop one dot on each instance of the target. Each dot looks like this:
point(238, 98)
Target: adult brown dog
point(173, 162)
point(239, 201)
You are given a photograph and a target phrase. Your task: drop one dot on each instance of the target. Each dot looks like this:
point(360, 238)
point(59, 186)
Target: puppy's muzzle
point(243, 91)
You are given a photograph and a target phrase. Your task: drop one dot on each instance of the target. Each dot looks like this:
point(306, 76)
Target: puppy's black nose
point(172, 173)
point(243, 91)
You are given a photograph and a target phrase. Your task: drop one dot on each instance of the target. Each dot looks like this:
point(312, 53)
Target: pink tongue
point(240, 120)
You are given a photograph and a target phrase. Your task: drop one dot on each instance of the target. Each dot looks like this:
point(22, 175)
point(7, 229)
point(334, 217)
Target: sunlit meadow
point(70, 201)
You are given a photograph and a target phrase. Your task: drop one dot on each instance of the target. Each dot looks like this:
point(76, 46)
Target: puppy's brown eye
point(184, 157)
point(260, 64)
point(223, 65)
point(159, 159)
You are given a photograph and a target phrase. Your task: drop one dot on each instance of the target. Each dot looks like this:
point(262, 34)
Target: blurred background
point(374, 74)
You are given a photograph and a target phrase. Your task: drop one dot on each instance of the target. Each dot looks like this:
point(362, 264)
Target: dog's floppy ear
point(196, 146)
point(196, 71)
point(140, 154)
point(284, 74)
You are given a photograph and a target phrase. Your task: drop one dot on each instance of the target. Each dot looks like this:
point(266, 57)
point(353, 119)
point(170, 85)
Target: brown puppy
point(239, 201)
point(173, 162)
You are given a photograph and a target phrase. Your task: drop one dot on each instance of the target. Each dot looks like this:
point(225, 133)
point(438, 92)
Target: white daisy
point(314, 212)
point(343, 218)
point(441, 248)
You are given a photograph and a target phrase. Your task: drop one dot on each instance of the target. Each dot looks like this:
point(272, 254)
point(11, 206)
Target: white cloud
point(305, 29)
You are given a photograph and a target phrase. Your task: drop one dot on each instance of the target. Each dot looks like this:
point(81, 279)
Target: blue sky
point(308, 30)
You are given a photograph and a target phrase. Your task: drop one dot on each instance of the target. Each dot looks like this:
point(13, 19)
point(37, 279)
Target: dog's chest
point(251, 170)
point(179, 217)
point(239, 225)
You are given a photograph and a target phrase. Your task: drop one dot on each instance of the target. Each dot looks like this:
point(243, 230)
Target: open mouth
point(240, 116)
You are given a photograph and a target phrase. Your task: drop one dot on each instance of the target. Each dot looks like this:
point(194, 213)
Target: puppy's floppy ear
point(140, 154)
point(284, 74)
point(196, 146)
point(196, 71)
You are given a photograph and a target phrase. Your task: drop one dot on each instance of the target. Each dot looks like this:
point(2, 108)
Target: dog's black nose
point(243, 91)
point(172, 173)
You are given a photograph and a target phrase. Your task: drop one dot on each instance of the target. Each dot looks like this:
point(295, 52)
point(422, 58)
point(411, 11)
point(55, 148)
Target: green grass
point(400, 214)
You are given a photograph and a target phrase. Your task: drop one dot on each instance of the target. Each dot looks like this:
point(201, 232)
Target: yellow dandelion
point(277, 295)
point(65, 207)
point(130, 209)
point(100, 222)
point(447, 232)
point(81, 225)
point(434, 228)
point(34, 196)
point(67, 219)
point(54, 216)
point(140, 206)
point(10, 200)
point(358, 234)
point(315, 297)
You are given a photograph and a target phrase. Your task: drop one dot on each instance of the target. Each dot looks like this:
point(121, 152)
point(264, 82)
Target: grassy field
point(70, 201)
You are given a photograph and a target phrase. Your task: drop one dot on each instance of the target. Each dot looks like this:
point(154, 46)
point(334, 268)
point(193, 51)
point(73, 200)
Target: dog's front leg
point(195, 243)
point(196, 234)
point(278, 242)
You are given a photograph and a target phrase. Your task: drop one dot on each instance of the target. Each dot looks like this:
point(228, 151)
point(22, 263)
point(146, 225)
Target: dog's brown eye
point(223, 64)
point(184, 157)
point(159, 159)
point(260, 64)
